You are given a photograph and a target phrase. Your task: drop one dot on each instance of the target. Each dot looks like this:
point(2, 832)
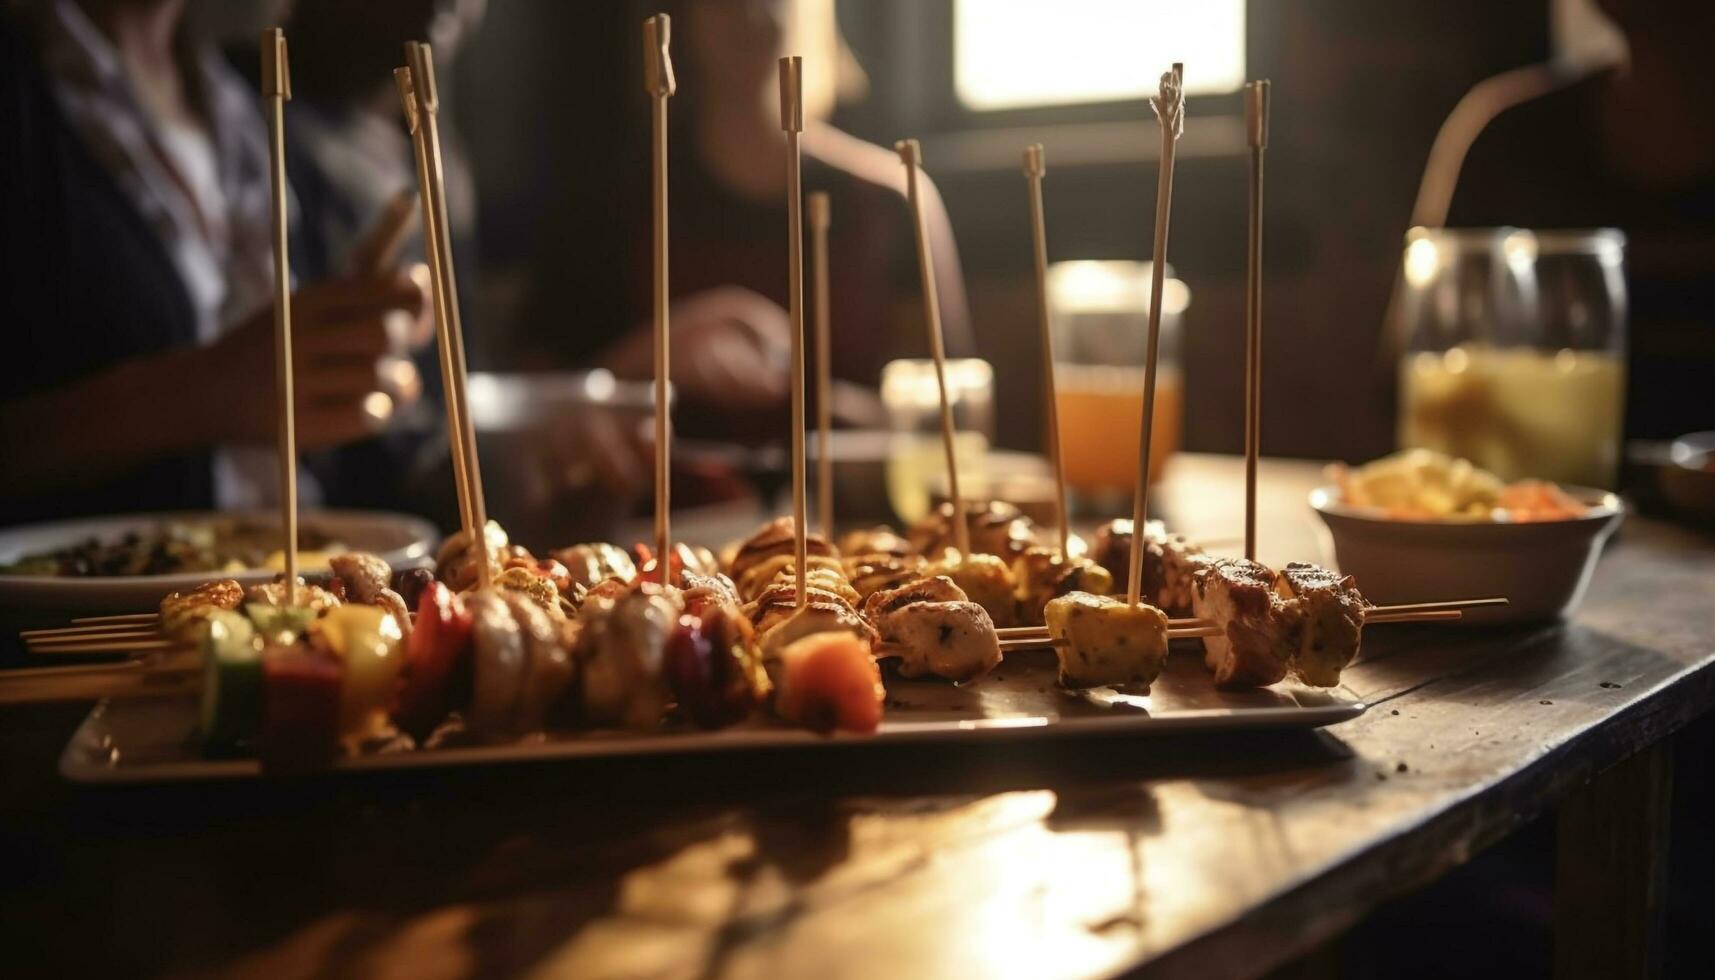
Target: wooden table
point(1205, 857)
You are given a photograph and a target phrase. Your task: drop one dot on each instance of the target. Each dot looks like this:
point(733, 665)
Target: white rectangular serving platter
point(154, 740)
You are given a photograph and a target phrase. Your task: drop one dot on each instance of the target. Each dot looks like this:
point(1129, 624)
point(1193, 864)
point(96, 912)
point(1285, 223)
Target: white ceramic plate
point(154, 741)
point(401, 539)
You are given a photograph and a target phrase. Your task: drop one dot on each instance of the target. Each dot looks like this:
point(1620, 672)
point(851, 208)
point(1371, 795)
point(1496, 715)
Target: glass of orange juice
point(1099, 313)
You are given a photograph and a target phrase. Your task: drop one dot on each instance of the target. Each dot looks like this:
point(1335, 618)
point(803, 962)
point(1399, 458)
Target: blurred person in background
point(728, 263)
point(1631, 146)
point(136, 253)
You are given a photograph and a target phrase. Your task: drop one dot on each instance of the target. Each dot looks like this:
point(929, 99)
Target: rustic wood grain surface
point(1200, 857)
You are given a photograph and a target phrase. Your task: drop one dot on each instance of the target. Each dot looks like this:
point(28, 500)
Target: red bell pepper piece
point(437, 673)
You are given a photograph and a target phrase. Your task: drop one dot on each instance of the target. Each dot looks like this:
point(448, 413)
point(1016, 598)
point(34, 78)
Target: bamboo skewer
point(120, 618)
point(1256, 127)
point(1035, 167)
point(1170, 112)
point(792, 121)
point(911, 152)
point(820, 218)
point(422, 64)
point(659, 82)
point(276, 89)
point(408, 101)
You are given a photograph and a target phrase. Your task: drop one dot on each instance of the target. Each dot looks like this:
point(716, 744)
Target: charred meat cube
point(1042, 574)
point(951, 639)
point(1330, 621)
point(1259, 630)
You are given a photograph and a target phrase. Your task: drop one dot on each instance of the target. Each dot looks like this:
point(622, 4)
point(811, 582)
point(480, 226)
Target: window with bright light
point(1016, 54)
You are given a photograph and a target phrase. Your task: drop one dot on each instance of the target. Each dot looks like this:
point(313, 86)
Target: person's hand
point(731, 347)
point(348, 338)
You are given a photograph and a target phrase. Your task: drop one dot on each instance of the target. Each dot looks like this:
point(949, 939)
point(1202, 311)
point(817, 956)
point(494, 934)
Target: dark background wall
point(547, 101)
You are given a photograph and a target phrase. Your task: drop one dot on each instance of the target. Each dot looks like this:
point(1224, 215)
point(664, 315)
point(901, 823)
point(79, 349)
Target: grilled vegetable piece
point(232, 684)
point(367, 639)
point(1041, 574)
point(829, 682)
point(714, 667)
point(183, 613)
point(996, 528)
point(437, 672)
point(1260, 630)
point(955, 640)
point(1107, 641)
point(301, 694)
point(985, 579)
point(1330, 621)
point(622, 673)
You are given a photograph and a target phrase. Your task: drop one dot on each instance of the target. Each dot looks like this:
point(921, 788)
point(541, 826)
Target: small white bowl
point(1542, 567)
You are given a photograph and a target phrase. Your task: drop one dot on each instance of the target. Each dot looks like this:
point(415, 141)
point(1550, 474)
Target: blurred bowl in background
point(1687, 477)
point(1542, 567)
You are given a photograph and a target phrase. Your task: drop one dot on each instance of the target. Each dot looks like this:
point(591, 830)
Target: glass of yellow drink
point(1517, 353)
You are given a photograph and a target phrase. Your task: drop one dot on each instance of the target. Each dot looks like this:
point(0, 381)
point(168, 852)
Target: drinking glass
point(1099, 314)
point(917, 460)
point(1516, 349)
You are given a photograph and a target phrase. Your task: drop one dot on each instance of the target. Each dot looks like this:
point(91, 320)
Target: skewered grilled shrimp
point(184, 613)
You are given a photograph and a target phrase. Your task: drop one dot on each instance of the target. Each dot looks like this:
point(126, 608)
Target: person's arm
point(118, 418)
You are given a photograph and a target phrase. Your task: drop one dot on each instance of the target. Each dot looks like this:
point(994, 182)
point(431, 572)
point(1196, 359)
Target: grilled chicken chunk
point(1330, 621)
point(817, 616)
point(1261, 630)
point(591, 564)
point(996, 528)
point(623, 683)
point(985, 579)
point(1041, 574)
point(312, 597)
point(875, 541)
point(951, 639)
point(937, 588)
point(1106, 640)
point(369, 581)
point(869, 574)
point(1169, 560)
point(777, 537)
point(765, 573)
point(773, 606)
point(184, 613)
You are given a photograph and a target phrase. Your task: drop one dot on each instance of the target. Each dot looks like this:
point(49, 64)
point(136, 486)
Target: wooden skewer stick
point(57, 631)
point(1256, 126)
point(792, 121)
point(1415, 612)
point(120, 618)
point(422, 62)
point(50, 642)
point(455, 426)
point(659, 82)
point(1035, 167)
point(1170, 111)
point(1044, 640)
point(131, 678)
point(1431, 616)
point(820, 218)
point(276, 89)
point(1405, 607)
point(911, 152)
